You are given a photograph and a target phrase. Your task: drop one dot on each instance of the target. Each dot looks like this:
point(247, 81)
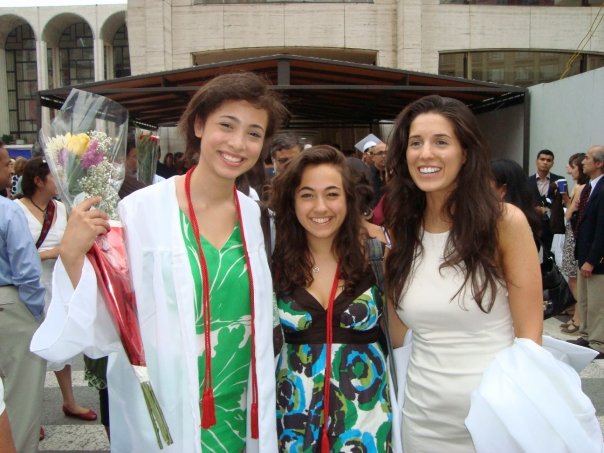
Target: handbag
point(557, 295)
point(556, 218)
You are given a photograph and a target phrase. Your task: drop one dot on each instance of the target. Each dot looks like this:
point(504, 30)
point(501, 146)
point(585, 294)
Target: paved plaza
point(68, 434)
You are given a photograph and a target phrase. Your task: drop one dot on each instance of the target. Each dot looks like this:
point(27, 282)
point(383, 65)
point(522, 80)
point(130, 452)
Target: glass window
point(76, 55)
point(121, 53)
point(525, 2)
point(521, 68)
point(231, 2)
point(22, 83)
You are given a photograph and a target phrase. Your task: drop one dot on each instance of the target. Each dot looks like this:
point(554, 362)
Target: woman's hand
point(83, 227)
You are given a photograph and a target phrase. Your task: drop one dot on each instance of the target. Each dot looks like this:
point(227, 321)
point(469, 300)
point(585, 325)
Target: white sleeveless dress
point(453, 342)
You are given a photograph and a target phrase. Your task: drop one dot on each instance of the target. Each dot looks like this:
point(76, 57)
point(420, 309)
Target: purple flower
point(93, 156)
point(62, 157)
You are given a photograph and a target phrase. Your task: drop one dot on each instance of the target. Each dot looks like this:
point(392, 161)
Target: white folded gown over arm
point(529, 401)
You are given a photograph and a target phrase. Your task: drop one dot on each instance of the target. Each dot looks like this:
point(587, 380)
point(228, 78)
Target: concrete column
point(99, 59)
point(56, 68)
point(150, 35)
point(409, 35)
point(110, 61)
point(4, 122)
point(42, 64)
point(42, 68)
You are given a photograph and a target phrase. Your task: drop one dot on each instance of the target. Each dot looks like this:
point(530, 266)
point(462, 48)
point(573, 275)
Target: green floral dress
point(231, 336)
point(359, 408)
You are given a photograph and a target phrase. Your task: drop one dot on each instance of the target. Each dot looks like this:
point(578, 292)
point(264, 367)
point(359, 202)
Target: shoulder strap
point(49, 215)
point(376, 259)
point(265, 223)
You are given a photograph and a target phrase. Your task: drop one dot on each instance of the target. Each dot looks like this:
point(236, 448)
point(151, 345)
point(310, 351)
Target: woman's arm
point(574, 204)
point(522, 273)
point(396, 328)
point(50, 253)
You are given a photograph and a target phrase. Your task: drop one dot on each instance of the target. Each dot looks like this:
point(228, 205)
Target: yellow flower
point(78, 143)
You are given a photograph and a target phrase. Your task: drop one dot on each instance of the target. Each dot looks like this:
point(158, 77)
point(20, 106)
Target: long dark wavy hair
point(292, 261)
point(473, 206)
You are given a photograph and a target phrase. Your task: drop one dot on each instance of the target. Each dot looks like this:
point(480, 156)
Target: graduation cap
point(368, 142)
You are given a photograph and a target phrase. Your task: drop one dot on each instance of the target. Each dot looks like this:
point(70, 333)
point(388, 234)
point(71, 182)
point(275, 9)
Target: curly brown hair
point(239, 86)
point(473, 207)
point(292, 261)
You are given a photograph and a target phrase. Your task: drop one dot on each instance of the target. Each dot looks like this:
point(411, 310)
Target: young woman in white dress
point(463, 272)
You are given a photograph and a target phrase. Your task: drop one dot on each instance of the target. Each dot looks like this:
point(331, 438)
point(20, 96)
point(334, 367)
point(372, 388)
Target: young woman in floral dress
point(332, 382)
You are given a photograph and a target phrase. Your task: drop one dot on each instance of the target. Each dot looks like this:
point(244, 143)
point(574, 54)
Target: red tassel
point(324, 441)
point(254, 421)
point(208, 409)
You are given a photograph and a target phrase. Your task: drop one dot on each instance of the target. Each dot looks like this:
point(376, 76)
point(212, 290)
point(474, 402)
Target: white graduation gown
point(78, 321)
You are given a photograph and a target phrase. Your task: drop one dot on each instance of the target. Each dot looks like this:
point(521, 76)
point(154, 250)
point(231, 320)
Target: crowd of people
point(272, 336)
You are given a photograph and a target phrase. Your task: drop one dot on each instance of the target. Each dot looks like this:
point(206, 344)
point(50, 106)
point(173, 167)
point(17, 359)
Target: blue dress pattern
point(360, 415)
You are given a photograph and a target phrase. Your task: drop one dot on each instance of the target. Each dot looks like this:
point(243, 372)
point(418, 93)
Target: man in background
point(543, 194)
point(590, 253)
point(284, 147)
point(21, 310)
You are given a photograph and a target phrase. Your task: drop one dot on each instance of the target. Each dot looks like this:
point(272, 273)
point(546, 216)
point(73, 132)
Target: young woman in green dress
point(202, 283)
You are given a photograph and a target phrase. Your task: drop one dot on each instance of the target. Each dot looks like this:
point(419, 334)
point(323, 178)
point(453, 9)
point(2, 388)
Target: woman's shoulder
point(578, 189)
point(511, 222)
point(511, 216)
point(60, 205)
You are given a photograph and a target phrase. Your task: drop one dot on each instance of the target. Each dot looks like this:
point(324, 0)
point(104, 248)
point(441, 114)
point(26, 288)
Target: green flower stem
point(160, 426)
point(157, 416)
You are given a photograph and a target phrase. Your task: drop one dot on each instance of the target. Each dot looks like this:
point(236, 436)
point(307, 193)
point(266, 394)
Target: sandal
point(570, 328)
point(570, 311)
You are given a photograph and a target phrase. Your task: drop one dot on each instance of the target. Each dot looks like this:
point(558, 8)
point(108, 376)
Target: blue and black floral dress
point(359, 406)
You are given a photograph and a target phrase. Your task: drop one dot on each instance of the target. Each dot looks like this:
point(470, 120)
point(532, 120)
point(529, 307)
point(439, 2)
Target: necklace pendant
point(315, 270)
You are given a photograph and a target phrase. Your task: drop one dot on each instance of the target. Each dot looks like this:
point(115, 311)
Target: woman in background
point(569, 263)
point(47, 219)
point(332, 385)
point(512, 187)
point(463, 272)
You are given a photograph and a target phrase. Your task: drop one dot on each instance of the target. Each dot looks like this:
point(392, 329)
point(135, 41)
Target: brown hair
point(291, 259)
point(576, 160)
point(240, 86)
point(20, 163)
point(473, 206)
point(35, 167)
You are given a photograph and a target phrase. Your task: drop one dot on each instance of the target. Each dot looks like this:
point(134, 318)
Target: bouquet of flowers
point(147, 147)
point(85, 152)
